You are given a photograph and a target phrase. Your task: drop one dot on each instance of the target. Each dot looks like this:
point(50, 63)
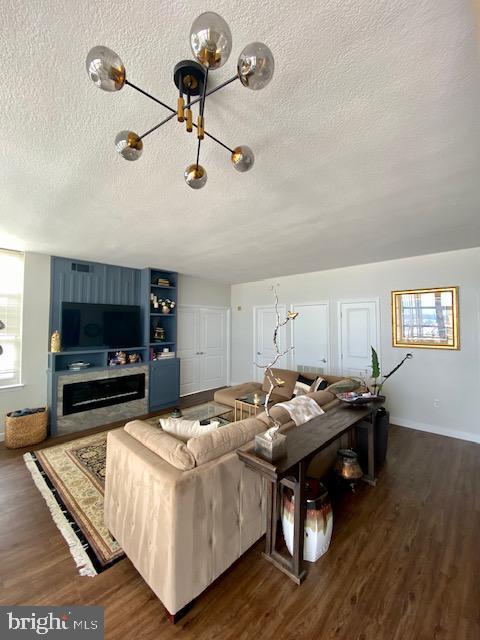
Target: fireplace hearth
point(105, 392)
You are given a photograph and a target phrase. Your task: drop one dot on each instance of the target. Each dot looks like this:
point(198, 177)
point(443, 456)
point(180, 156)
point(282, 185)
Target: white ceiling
point(366, 141)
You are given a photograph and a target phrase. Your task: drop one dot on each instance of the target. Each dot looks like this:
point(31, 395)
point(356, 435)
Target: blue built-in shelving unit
point(164, 372)
point(93, 282)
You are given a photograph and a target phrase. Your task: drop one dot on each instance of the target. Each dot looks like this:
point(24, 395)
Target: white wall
point(452, 377)
point(36, 303)
point(197, 291)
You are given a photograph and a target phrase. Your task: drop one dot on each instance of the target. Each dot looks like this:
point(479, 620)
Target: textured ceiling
point(366, 141)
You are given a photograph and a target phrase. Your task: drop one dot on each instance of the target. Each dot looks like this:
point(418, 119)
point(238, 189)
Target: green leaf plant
point(376, 373)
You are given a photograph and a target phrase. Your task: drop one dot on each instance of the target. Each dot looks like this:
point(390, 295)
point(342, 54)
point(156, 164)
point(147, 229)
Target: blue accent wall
point(98, 283)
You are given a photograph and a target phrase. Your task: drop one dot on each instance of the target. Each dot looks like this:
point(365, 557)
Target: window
point(11, 288)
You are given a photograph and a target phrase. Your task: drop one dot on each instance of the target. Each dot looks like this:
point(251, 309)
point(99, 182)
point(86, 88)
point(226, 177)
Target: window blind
point(11, 293)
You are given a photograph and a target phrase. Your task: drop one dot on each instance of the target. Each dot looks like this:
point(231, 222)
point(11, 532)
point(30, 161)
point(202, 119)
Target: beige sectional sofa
point(184, 512)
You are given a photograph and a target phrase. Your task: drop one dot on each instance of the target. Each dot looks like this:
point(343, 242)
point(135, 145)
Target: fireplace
point(94, 394)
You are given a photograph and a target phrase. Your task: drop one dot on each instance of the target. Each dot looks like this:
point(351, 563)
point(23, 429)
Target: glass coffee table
point(249, 405)
point(208, 411)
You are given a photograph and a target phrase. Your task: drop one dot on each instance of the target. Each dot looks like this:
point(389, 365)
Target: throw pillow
point(343, 386)
point(302, 386)
point(185, 429)
point(318, 385)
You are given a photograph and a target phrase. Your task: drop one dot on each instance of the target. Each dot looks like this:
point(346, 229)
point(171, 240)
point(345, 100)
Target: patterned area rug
point(71, 478)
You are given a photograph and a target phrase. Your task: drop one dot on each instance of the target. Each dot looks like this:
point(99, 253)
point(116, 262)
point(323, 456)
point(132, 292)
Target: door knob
point(259, 353)
point(323, 360)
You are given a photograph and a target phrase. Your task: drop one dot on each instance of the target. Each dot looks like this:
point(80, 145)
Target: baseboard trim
point(440, 431)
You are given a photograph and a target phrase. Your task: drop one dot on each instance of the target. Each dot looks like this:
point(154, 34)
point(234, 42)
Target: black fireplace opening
point(93, 394)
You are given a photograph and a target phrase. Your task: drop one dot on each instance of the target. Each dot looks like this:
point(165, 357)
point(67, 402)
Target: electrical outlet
point(436, 403)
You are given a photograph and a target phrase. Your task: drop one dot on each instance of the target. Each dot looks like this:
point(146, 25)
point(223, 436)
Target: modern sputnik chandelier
point(211, 44)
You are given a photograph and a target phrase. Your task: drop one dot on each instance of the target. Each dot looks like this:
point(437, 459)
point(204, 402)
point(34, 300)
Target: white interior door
point(265, 321)
point(188, 350)
point(202, 348)
point(359, 331)
point(310, 337)
point(213, 348)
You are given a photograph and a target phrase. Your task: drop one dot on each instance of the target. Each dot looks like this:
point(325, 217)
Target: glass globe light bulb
point(129, 145)
point(210, 40)
point(242, 158)
point(255, 66)
point(105, 69)
point(195, 176)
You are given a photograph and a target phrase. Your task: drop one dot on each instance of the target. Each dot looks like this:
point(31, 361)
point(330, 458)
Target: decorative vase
point(318, 520)
point(347, 465)
point(55, 342)
point(165, 309)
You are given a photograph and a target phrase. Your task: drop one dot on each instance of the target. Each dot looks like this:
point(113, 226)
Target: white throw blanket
point(301, 409)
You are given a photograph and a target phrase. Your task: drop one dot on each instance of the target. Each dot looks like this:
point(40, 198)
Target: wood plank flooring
point(404, 563)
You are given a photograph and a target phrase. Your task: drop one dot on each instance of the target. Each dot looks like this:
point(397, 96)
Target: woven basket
point(25, 430)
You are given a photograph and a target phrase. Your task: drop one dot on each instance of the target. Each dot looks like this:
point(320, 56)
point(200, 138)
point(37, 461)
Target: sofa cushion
point(173, 451)
point(223, 440)
point(279, 414)
point(322, 397)
point(184, 429)
point(343, 385)
point(227, 396)
point(289, 378)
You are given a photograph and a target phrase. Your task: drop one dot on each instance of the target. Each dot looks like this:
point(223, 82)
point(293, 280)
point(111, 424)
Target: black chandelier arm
point(209, 135)
point(130, 84)
point(157, 126)
point(174, 112)
point(209, 93)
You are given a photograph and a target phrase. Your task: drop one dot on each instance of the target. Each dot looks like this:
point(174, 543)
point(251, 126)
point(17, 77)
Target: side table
point(304, 443)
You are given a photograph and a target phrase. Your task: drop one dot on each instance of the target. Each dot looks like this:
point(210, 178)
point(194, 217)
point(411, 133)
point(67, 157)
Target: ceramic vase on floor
point(318, 520)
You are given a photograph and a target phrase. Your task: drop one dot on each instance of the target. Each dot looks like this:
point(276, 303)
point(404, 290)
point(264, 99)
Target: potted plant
point(376, 374)
point(167, 305)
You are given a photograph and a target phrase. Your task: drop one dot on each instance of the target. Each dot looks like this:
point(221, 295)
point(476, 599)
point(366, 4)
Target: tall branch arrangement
point(378, 386)
point(274, 382)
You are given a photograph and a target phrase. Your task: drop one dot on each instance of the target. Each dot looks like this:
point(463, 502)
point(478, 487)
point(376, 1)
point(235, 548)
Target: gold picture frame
point(426, 318)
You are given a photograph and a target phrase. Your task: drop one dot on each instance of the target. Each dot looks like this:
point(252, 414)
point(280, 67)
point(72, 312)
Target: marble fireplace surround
point(103, 415)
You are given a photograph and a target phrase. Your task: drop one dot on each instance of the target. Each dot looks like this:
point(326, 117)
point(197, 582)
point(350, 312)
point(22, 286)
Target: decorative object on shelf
point(119, 358)
point(211, 44)
point(78, 366)
point(176, 413)
point(271, 444)
point(166, 305)
point(134, 357)
point(347, 465)
point(377, 387)
point(163, 355)
point(162, 282)
point(426, 318)
point(318, 520)
point(159, 334)
point(55, 342)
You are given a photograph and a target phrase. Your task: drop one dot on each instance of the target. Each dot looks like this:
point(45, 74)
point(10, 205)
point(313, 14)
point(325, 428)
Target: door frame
point(376, 302)
point(287, 336)
point(292, 327)
point(228, 332)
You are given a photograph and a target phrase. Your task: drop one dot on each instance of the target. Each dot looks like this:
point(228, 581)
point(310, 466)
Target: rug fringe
point(79, 554)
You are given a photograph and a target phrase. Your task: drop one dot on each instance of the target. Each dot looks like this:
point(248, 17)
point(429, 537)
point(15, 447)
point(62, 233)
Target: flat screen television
point(109, 326)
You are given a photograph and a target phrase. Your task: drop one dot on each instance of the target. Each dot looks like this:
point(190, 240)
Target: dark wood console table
point(304, 443)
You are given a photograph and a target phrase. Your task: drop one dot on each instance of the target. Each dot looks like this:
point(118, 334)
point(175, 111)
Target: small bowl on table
point(354, 399)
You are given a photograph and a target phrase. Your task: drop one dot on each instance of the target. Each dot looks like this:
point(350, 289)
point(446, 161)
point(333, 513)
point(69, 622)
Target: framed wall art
point(426, 318)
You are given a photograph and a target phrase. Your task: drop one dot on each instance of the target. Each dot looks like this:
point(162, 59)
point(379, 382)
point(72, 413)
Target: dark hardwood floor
point(404, 563)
